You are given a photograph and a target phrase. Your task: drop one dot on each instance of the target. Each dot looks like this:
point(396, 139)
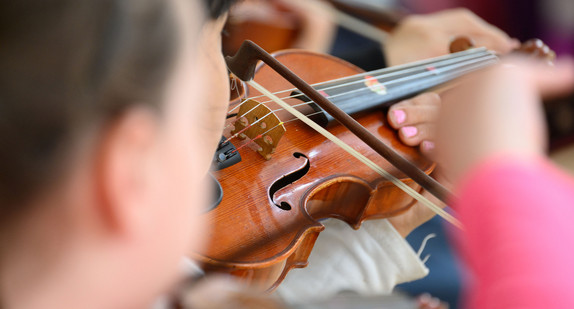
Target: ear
point(125, 162)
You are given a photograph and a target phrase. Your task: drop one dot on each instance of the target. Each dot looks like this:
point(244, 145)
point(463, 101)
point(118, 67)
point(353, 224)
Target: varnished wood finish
point(253, 238)
point(537, 48)
point(461, 43)
point(278, 29)
point(248, 57)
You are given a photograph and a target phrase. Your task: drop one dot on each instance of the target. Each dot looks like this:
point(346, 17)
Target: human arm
point(518, 217)
point(516, 208)
point(420, 37)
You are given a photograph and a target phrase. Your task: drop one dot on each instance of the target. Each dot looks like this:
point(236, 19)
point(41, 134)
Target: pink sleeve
point(519, 235)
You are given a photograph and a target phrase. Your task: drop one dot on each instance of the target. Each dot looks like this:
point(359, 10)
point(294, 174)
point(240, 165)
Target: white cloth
point(368, 261)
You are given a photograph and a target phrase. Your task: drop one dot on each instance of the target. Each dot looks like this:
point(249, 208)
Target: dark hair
point(66, 65)
point(216, 8)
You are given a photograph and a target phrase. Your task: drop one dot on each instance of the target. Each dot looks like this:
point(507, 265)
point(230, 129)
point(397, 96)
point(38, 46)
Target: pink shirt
point(519, 234)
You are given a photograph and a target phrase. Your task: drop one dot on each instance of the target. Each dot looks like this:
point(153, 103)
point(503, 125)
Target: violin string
point(237, 134)
point(246, 127)
point(236, 86)
point(446, 67)
point(264, 133)
point(404, 79)
point(259, 136)
point(408, 78)
point(230, 113)
point(233, 85)
point(401, 69)
point(413, 193)
point(439, 211)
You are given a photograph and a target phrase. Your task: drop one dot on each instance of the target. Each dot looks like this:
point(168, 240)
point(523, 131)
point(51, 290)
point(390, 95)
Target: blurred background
point(282, 24)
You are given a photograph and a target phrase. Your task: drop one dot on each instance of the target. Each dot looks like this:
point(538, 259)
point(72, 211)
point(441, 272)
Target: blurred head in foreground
point(101, 165)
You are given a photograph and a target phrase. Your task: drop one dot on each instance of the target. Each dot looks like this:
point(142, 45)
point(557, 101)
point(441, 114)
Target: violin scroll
point(536, 48)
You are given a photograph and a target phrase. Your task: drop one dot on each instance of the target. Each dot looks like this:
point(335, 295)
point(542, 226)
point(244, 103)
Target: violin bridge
point(258, 123)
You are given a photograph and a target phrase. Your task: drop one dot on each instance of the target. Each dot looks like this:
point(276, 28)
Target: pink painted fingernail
point(428, 146)
point(409, 131)
point(400, 116)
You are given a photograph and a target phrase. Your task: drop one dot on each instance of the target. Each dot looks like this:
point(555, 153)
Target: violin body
point(290, 177)
point(269, 217)
point(270, 24)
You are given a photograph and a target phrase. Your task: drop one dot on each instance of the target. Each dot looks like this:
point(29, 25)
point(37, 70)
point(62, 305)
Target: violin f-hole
point(287, 180)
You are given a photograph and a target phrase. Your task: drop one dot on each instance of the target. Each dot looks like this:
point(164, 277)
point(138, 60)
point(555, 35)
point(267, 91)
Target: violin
point(275, 26)
point(268, 23)
point(283, 178)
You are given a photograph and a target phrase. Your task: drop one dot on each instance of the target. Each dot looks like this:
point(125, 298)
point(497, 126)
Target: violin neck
point(382, 88)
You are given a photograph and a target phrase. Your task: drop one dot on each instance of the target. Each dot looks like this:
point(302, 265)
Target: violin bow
point(243, 65)
point(353, 23)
